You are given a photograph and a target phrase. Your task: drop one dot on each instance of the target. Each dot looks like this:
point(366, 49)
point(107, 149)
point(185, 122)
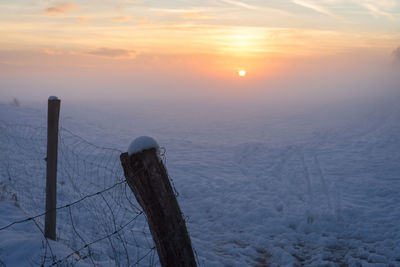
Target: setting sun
point(242, 73)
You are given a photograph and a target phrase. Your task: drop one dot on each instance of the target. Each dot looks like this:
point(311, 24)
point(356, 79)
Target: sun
point(242, 73)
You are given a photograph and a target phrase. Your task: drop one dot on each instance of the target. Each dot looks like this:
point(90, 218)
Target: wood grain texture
point(147, 177)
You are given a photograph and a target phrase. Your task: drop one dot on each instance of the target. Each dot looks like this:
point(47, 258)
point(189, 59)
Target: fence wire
point(98, 217)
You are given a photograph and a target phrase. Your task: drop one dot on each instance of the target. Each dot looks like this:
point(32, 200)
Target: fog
point(187, 96)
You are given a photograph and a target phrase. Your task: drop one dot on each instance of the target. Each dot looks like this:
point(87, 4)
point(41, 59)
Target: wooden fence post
point(53, 114)
point(147, 177)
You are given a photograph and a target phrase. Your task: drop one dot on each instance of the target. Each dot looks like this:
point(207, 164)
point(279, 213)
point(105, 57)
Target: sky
point(187, 47)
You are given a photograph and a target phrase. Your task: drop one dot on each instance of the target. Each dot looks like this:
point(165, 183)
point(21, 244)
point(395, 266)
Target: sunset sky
point(214, 38)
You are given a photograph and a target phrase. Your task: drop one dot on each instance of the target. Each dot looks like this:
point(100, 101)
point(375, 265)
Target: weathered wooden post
point(147, 177)
point(53, 114)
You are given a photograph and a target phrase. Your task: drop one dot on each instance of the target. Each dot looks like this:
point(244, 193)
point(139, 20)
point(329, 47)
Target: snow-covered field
point(312, 188)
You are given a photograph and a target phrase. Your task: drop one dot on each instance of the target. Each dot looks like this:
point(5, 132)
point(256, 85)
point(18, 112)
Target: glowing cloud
point(60, 9)
point(141, 20)
point(121, 19)
point(376, 12)
point(239, 4)
point(52, 52)
point(81, 19)
point(313, 6)
point(194, 15)
point(113, 53)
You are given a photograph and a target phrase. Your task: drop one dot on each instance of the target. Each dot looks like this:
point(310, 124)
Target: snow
point(142, 143)
point(314, 189)
point(23, 244)
point(53, 98)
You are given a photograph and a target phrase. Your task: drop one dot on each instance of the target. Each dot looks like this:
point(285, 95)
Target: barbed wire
point(97, 226)
point(61, 207)
point(99, 223)
point(97, 240)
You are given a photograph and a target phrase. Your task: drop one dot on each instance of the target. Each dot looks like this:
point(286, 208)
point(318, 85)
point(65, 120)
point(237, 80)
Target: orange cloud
point(52, 52)
point(81, 19)
point(194, 15)
point(113, 53)
point(121, 19)
point(60, 9)
point(141, 20)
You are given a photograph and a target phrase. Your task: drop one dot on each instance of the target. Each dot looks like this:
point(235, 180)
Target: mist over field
point(324, 93)
point(183, 85)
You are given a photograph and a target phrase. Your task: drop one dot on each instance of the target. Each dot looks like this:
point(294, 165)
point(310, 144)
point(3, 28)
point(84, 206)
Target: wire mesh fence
point(98, 217)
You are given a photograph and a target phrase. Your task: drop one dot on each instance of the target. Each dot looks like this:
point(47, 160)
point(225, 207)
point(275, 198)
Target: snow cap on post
point(142, 143)
point(52, 97)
